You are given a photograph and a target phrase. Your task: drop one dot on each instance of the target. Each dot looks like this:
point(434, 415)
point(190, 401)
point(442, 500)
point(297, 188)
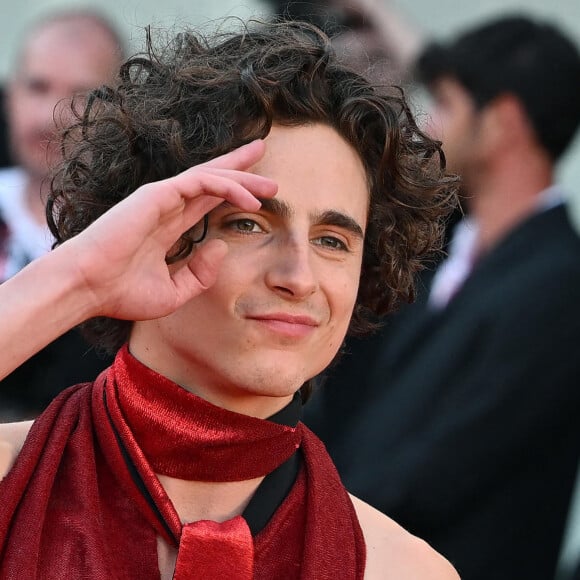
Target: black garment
point(576, 575)
point(29, 389)
point(5, 156)
point(269, 495)
point(469, 431)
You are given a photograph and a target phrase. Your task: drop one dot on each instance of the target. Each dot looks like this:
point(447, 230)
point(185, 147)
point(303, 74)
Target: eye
point(331, 243)
point(37, 86)
point(245, 225)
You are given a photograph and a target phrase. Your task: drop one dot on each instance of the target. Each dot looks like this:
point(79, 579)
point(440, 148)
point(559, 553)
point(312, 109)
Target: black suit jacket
point(468, 433)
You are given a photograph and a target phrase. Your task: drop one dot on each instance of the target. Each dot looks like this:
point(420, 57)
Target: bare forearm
point(37, 305)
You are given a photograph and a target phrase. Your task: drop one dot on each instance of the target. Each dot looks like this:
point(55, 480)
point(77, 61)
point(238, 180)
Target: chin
point(272, 384)
point(38, 167)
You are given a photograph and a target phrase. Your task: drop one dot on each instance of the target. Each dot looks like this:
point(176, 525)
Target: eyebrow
point(276, 207)
point(281, 209)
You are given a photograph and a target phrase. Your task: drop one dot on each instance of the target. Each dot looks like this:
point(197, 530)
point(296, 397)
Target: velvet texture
point(216, 551)
point(83, 500)
point(184, 436)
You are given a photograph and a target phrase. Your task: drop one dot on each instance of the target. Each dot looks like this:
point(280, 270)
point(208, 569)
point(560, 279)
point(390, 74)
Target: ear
point(507, 123)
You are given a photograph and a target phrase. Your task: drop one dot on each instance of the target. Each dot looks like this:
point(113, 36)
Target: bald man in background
point(61, 57)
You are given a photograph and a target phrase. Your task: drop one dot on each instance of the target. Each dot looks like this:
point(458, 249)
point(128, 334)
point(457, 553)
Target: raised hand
point(117, 267)
point(121, 257)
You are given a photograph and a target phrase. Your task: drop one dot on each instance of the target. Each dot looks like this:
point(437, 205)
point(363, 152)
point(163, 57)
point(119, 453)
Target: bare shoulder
point(394, 553)
point(12, 437)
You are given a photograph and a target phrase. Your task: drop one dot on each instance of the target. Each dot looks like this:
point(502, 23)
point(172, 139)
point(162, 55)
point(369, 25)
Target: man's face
point(284, 296)
point(59, 61)
point(455, 121)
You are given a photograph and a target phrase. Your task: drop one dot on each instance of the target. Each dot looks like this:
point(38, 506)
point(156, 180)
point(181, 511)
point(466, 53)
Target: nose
point(291, 273)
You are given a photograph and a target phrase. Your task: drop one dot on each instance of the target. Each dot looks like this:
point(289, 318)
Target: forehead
point(316, 170)
point(80, 51)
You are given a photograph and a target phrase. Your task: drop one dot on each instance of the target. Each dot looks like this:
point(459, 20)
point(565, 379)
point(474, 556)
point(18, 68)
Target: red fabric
point(70, 507)
point(186, 437)
point(216, 551)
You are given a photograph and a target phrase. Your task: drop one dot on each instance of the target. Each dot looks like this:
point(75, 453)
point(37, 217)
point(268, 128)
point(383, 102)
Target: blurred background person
point(370, 35)
point(61, 56)
point(460, 419)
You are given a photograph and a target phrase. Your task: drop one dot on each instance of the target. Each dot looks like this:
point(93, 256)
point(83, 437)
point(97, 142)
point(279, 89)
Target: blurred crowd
point(460, 416)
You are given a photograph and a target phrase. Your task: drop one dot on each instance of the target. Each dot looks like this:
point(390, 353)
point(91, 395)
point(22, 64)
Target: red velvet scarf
point(73, 506)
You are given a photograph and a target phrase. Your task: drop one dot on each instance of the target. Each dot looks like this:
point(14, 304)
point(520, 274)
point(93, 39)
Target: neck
point(194, 377)
point(209, 461)
point(209, 500)
point(506, 194)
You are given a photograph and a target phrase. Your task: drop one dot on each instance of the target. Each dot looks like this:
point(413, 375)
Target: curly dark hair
point(195, 99)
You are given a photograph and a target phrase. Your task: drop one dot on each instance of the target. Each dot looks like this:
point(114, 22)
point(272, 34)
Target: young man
point(186, 459)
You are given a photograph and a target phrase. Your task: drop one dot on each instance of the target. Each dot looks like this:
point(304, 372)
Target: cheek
point(234, 270)
point(237, 276)
point(342, 298)
point(434, 124)
point(341, 305)
point(25, 123)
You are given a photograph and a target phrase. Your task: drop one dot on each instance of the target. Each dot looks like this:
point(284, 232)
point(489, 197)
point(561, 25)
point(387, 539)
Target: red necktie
point(213, 551)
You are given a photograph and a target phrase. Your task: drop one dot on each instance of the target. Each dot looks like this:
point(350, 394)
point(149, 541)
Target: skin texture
point(301, 257)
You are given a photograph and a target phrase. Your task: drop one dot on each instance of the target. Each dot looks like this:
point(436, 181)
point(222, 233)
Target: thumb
point(201, 271)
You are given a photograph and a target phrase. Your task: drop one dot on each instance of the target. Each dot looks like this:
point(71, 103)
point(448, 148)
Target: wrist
point(60, 288)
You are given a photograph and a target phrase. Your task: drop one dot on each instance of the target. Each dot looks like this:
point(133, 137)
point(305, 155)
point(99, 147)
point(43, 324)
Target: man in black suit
point(461, 419)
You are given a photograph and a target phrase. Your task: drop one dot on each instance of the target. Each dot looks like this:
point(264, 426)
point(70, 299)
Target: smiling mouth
point(287, 325)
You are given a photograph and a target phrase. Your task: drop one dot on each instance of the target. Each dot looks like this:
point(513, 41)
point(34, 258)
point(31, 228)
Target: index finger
point(241, 158)
point(240, 189)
